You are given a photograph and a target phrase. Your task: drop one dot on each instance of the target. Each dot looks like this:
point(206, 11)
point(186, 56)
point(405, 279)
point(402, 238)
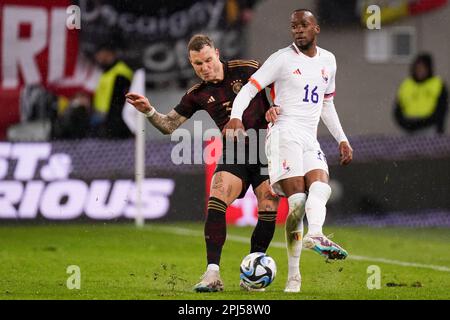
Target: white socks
point(294, 231)
point(212, 267)
point(319, 193)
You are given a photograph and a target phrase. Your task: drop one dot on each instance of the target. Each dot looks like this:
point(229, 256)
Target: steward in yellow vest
point(422, 99)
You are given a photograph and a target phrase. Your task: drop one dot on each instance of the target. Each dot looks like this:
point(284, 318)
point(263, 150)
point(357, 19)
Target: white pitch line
point(190, 232)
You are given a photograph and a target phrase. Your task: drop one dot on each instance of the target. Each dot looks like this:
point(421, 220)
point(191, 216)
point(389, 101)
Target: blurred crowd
point(420, 107)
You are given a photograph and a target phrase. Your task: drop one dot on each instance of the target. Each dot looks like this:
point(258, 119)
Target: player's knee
point(225, 187)
point(320, 190)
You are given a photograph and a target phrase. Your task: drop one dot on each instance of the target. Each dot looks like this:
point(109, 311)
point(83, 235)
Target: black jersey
point(217, 98)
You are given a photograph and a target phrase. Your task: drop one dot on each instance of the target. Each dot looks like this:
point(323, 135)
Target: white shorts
point(290, 156)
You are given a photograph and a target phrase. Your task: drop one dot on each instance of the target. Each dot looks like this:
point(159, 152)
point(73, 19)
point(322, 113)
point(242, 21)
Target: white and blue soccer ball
point(258, 270)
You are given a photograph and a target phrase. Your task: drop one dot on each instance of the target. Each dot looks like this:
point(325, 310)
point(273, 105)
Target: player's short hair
point(303, 10)
point(306, 10)
point(198, 41)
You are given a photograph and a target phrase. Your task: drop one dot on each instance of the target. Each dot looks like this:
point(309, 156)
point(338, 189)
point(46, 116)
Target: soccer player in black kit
point(221, 81)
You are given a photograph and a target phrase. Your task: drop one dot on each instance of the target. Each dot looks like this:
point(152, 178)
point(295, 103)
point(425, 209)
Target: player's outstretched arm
point(166, 123)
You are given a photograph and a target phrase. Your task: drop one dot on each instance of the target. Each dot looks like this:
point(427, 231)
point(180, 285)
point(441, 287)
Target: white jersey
point(300, 84)
point(303, 88)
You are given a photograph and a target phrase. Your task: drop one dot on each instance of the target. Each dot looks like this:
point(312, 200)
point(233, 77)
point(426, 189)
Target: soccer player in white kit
point(303, 85)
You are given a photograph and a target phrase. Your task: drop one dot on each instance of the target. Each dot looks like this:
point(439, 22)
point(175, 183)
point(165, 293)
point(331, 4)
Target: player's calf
point(263, 232)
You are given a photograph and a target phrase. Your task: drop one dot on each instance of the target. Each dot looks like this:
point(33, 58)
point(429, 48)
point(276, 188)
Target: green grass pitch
point(164, 261)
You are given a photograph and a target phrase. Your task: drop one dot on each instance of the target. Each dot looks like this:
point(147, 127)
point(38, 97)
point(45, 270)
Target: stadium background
point(154, 36)
point(395, 179)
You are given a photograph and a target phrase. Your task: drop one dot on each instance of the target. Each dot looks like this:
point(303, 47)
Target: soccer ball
point(258, 270)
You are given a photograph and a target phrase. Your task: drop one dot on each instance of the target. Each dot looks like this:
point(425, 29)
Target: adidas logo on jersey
point(211, 99)
point(297, 72)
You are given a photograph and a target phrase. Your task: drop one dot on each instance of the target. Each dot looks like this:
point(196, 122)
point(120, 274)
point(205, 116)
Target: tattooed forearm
point(167, 123)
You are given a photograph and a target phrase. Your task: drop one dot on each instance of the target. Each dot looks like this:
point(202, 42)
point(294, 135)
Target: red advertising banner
point(36, 47)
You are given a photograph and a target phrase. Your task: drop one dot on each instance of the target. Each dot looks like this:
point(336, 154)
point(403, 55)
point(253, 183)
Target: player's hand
point(272, 114)
point(346, 153)
point(141, 103)
point(234, 129)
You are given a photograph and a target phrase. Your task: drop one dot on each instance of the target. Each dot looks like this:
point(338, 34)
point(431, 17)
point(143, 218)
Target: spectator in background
point(239, 11)
point(422, 98)
point(74, 118)
point(99, 116)
point(109, 96)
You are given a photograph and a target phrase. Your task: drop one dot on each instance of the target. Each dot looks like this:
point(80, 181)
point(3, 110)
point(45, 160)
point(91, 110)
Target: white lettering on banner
point(25, 54)
point(5, 151)
point(29, 205)
point(58, 197)
point(126, 20)
point(215, 11)
point(10, 194)
point(179, 22)
point(163, 57)
point(68, 199)
point(57, 49)
point(58, 168)
point(64, 200)
point(100, 206)
point(155, 201)
point(28, 155)
point(159, 57)
point(20, 52)
point(109, 14)
point(204, 14)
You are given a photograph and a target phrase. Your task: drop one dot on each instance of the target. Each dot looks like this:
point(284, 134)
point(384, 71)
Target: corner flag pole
point(139, 167)
point(138, 86)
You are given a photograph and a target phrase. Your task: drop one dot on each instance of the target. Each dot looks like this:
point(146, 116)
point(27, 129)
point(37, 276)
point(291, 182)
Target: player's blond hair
point(198, 41)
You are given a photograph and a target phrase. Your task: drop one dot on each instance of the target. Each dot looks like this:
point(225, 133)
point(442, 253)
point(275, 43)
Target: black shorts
point(249, 172)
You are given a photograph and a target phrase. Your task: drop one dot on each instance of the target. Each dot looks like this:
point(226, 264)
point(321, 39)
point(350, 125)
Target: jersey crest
point(236, 85)
point(325, 75)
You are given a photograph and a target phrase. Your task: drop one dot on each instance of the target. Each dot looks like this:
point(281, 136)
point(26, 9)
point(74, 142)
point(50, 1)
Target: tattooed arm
point(166, 123)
